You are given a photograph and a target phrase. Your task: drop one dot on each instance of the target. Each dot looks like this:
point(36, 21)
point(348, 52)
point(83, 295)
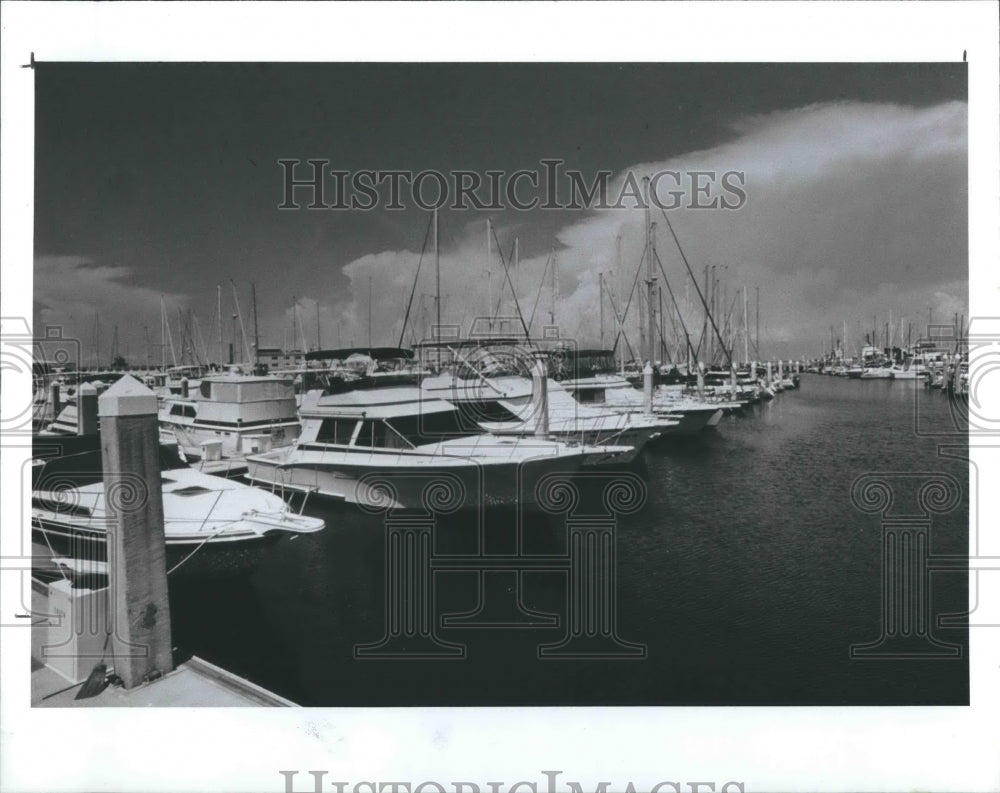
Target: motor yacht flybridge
point(490, 382)
point(372, 436)
point(235, 412)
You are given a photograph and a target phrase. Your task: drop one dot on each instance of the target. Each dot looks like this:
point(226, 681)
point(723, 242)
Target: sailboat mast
point(256, 328)
point(489, 276)
point(319, 343)
point(619, 323)
point(369, 313)
point(552, 310)
point(219, 310)
point(600, 289)
point(437, 279)
point(758, 319)
point(746, 328)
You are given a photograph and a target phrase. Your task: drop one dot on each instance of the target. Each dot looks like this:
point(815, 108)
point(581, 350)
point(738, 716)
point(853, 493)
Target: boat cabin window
point(337, 431)
point(421, 430)
point(590, 395)
point(485, 410)
point(183, 410)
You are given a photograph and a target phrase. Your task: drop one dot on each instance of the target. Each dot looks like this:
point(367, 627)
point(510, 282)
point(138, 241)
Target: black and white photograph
point(631, 403)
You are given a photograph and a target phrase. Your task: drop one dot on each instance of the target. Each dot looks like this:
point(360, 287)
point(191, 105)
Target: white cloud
point(853, 209)
point(89, 299)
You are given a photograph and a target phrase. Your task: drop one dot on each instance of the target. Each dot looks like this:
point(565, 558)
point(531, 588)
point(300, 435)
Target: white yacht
point(590, 378)
point(502, 399)
point(212, 526)
point(379, 440)
point(231, 414)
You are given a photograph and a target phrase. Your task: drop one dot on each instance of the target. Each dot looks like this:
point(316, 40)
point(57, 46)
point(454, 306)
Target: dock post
point(540, 397)
point(136, 545)
point(54, 398)
point(86, 409)
point(770, 379)
point(701, 380)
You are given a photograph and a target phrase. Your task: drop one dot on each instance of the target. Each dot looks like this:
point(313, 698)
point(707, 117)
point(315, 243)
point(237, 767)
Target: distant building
point(277, 358)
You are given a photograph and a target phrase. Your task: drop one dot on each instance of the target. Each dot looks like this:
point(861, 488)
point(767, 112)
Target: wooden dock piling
point(136, 544)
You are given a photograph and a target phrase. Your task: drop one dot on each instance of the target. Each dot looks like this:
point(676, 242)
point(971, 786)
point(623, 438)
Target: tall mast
point(758, 320)
point(651, 280)
point(319, 342)
point(619, 320)
point(180, 328)
point(746, 328)
point(489, 276)
point(552, 310)
point(256, 329)
point(517, 271)
point(704, 327)
point(369, 313)
point(600, 288)
point(222, 356)
point(437, 277)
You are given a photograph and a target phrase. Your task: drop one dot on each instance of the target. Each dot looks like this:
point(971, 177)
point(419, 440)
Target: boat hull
point(60, 551)
point(441, 486)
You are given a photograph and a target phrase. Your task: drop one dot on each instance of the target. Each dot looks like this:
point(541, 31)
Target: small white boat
point(591, 383)
point(212, 526)
point(877, 373)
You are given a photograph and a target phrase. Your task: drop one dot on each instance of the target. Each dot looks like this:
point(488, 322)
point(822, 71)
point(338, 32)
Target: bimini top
point(376, 353)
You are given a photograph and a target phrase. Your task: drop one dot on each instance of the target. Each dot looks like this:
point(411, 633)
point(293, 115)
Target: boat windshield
point(405, 432)
point(565, 364)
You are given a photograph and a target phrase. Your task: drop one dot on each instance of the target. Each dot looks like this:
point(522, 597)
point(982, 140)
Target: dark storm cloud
point(163, 178)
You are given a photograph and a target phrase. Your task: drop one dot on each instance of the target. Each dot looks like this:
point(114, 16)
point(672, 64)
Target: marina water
point(747, 574)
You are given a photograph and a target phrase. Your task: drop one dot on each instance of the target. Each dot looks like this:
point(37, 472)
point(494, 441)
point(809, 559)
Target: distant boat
point(876, 373)
point(590, 377)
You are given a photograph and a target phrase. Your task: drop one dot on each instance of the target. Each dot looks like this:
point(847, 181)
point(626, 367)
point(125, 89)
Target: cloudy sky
point(161, 181)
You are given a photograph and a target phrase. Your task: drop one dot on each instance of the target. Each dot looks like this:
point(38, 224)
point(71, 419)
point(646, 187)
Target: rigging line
point(621, 326)
point(673, 300)
point(631, 294)
point(538, 294)
point(413, 291)
point(503, 286)
point(701, 297)
point(506, 272)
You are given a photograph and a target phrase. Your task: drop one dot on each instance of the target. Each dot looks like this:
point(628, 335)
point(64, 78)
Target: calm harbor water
point(747, 575)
